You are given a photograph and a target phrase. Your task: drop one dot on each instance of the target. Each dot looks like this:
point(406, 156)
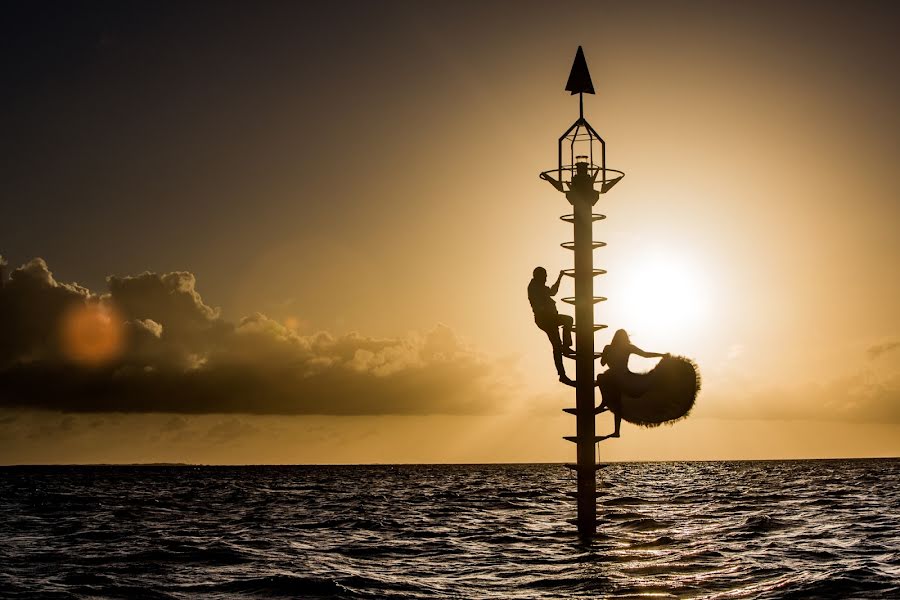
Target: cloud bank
point(864, 388)
point(864, 397)
point(178, 355)
point(151, 344)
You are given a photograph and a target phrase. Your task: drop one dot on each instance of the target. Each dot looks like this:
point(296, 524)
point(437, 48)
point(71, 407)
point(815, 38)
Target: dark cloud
point(181, 356)
point(31, 305)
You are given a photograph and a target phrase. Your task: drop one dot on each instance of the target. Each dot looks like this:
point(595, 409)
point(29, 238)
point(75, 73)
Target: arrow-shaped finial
point(579, 77)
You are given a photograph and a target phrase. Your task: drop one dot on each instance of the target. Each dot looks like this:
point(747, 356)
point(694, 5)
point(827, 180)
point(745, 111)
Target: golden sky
point(318, 195)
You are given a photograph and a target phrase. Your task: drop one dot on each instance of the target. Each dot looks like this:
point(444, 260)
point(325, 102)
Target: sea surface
point(784, 529)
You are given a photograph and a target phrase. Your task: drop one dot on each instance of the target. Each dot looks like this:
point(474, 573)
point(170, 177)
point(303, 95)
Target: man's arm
point(555, 287)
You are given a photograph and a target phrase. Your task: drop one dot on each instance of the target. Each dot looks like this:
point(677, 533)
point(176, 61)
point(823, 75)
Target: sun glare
point(663, 296)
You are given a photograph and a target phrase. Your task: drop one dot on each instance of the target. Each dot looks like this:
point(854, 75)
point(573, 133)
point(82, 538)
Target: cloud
point(880, 349)
point(31, 305)
point(181, 356)
point(869, 395)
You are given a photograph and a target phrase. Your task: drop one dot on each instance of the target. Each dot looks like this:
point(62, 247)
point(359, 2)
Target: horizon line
point(434, 464)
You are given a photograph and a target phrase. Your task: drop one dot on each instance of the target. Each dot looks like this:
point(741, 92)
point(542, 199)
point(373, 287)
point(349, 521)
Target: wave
point(712, 530)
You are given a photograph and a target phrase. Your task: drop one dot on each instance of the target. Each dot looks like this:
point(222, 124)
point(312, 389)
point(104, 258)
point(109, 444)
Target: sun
point(662, 296)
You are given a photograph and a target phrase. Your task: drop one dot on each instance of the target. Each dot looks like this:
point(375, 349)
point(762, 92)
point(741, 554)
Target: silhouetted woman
point(617, 381)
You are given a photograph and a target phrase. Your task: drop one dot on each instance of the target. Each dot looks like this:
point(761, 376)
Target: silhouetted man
point(548, 320)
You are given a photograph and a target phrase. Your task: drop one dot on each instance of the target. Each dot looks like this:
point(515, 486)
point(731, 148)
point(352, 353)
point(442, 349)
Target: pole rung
point(594, 272)
point(574, 438)
point(594, 299)
point(571, 245)
point(574, 411)
point(574, 355)
point(594, 327)
point(570, 218)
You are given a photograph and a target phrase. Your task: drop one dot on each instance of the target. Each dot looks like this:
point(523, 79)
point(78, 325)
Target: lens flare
point(91, 335)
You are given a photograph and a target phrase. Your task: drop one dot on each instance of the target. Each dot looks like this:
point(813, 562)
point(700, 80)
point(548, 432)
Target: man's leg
point(567, 323)
point(553, 334)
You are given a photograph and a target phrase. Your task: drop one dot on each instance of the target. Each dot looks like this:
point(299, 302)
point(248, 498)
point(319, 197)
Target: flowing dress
point(664, 394)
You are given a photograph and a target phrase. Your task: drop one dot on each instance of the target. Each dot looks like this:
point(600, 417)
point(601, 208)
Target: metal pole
point(583, 196)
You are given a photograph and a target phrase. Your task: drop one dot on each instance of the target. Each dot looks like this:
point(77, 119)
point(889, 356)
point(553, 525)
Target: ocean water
point(791, 529)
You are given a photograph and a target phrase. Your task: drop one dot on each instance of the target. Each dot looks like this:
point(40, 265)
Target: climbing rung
point(570, 218)
point(571, 245)
point(594, 299)
point(594, 272)
point(574, 411)
point(575, 494)
point(595, 327)
point(574, 438)
point(574, 467)
point(574, 356)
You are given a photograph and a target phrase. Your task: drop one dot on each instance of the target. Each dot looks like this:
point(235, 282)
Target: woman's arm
point(639, 352)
